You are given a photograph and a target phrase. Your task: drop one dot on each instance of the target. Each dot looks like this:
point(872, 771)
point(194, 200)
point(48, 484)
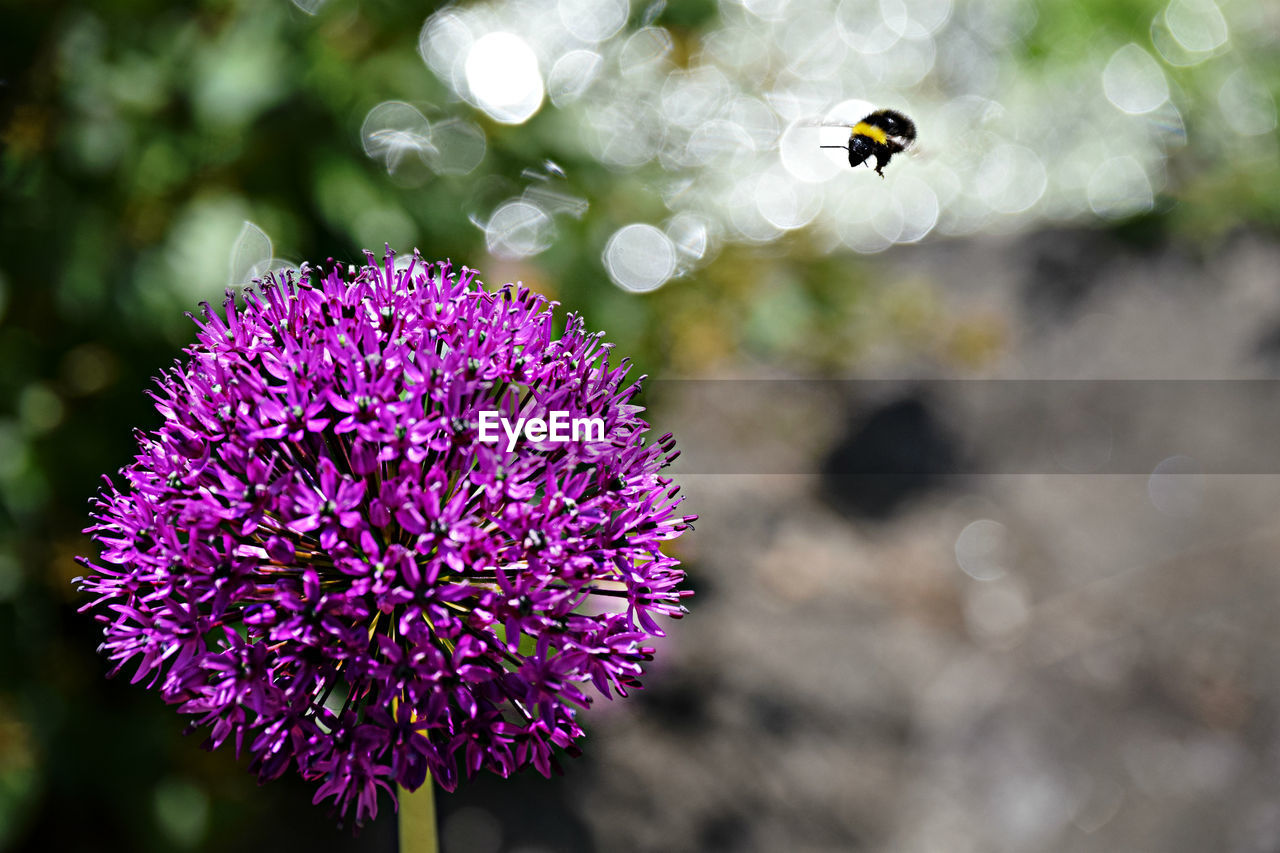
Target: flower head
point(317, 558)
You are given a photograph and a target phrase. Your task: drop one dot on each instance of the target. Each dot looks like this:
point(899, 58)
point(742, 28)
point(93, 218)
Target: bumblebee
point(883, 133)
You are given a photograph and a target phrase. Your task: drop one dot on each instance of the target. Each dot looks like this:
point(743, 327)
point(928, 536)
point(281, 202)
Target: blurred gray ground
point(1025, 662)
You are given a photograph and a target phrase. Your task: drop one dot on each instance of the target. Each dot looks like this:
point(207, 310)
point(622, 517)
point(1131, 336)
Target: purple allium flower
point(315, 557)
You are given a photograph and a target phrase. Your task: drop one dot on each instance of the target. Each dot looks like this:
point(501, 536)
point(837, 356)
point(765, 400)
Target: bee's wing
point(824, 122)
point(915, 149)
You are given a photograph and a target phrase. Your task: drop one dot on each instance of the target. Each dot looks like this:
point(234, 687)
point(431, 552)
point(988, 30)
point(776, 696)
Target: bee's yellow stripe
point(864, 129)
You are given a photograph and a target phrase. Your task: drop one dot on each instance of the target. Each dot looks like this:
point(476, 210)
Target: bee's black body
point(881, 134)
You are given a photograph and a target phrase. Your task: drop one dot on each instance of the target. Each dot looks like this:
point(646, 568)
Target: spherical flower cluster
point(317, 558)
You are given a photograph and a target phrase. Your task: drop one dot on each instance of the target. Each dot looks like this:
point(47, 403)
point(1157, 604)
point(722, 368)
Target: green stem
point(418, 819)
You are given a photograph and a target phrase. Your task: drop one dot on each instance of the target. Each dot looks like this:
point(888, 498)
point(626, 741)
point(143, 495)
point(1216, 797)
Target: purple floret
point(316, 558)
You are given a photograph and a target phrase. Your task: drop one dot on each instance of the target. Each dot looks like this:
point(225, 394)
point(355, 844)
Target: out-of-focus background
point(901, 639)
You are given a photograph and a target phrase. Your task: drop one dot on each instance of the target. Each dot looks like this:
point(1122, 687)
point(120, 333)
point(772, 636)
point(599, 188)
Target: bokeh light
point(1119, 187)
point(572, 74)
point(1247, 107)
point(518, 229)
point(980, 549)
point(1133, 81)
point(250, 254)
point(640, 258)
point(1198, 25)
point(396, 133)
point(503, 77)
point(593, 20)
point(1176, 487)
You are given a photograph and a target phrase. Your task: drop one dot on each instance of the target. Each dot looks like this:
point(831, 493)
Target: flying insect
point(881, 134)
